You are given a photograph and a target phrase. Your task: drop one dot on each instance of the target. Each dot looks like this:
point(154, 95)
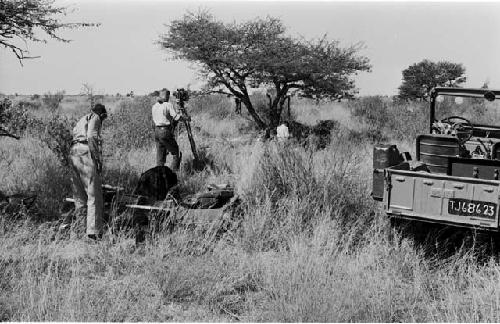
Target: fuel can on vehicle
point(384, 156)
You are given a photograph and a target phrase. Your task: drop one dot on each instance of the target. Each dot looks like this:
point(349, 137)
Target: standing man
point(86, 162)
point(165, 117)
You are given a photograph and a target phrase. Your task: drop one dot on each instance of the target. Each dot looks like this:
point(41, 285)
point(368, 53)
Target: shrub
point(384, 118)
point(57, 134)
point(29, 105)
point(292, 187)
point(407, 120)
point(53, 100)
point(372, 110)
point(367, 134)
point(217, 106)
point(28, 167)
point(130, 126)
point(14, 119)
point(318, 135)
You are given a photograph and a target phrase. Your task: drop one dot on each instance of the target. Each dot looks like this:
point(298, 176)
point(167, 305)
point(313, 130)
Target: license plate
point(464, 207)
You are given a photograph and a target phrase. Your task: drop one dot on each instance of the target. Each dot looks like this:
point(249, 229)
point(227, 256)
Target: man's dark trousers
point(166, 143)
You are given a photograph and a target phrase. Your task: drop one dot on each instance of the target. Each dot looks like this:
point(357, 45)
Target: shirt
point(88, 129)
point(163, 113)
point(282, 132)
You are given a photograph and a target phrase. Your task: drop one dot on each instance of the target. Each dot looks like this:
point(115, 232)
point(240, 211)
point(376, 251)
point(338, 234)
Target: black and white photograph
point(249, 161)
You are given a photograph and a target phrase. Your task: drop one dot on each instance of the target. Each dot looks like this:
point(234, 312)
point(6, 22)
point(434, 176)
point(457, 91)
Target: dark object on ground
point(298, 131)
point(155, 207)
point(323, 131)
point(14, 203)
point(216, 197)
point(320, 134)
point(153, 186)
point(211, 212)
point(155, 183)
point(5, 133)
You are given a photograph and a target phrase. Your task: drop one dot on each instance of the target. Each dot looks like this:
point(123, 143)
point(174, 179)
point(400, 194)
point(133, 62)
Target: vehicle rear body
point(441, 198)
point(445, 186)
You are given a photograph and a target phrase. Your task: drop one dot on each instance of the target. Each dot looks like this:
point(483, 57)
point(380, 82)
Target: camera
point(181, 94)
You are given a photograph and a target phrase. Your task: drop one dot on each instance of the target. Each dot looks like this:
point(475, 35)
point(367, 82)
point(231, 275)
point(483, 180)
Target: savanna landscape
point(311, 244)
point(306, 243)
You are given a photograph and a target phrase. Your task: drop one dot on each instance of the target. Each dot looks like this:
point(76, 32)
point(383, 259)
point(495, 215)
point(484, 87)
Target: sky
point(121, 55)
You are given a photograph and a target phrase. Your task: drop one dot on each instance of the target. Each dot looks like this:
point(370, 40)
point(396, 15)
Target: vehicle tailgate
point(441, 198)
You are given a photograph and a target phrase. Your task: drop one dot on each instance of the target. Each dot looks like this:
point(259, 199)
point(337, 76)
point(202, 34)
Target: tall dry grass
point(308, 244)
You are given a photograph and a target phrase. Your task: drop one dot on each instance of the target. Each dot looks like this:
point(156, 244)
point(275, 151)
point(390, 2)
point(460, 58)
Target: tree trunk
point(254, 114)
point(274, 114)
point(283, 101)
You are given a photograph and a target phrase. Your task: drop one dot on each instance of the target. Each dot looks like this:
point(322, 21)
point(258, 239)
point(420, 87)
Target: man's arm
point(93, 138)
point(172, 113)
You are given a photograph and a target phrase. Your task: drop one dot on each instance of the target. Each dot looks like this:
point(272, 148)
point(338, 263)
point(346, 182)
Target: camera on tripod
point(182, 95)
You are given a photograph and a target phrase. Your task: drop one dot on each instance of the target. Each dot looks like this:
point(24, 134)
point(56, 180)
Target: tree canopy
point(420, 78)
point(238, 56)
point(24, 19)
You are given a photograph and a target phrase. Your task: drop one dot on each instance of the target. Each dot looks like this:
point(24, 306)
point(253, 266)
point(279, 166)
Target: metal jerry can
point(384, 156)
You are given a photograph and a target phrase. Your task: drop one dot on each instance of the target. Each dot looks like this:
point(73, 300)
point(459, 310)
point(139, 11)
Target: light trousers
point(87, 188)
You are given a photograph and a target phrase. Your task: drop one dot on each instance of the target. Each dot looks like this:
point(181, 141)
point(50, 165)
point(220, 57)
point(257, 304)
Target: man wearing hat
point(86, 163)
point(165, 117)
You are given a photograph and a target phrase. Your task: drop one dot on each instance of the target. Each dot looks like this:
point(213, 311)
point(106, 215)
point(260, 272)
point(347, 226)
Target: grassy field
point(310, 244)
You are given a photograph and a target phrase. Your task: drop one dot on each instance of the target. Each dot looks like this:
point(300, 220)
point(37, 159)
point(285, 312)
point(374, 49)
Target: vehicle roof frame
point(459, 92)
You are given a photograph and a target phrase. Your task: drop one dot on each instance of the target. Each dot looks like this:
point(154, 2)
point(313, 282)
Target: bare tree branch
point(24, 18)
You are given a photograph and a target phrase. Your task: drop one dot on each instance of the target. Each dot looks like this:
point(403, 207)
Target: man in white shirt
point(165, 118)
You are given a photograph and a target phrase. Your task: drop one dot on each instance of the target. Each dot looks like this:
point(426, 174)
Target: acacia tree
point(21, 20)
point(420, 78)
point(258, 53)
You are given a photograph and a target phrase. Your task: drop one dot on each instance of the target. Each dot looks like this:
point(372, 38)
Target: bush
point(130, 126)
point(53, 100)
point(407, 120)
point(29, 105)
point(28, 167)
point(55, 131)
point(372, 110)
point(217, 106)
point(291, 188)
point(318, 135)
point(367, 134)
point(14, 119)
point(57, 134)
point(384, 118)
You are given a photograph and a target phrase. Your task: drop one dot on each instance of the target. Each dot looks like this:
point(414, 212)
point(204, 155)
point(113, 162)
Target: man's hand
point(186, 118)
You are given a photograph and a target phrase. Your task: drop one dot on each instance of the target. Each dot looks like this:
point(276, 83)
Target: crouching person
point(86, 163)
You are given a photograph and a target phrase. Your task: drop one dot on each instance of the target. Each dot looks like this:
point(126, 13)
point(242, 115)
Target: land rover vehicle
point(454, 178)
